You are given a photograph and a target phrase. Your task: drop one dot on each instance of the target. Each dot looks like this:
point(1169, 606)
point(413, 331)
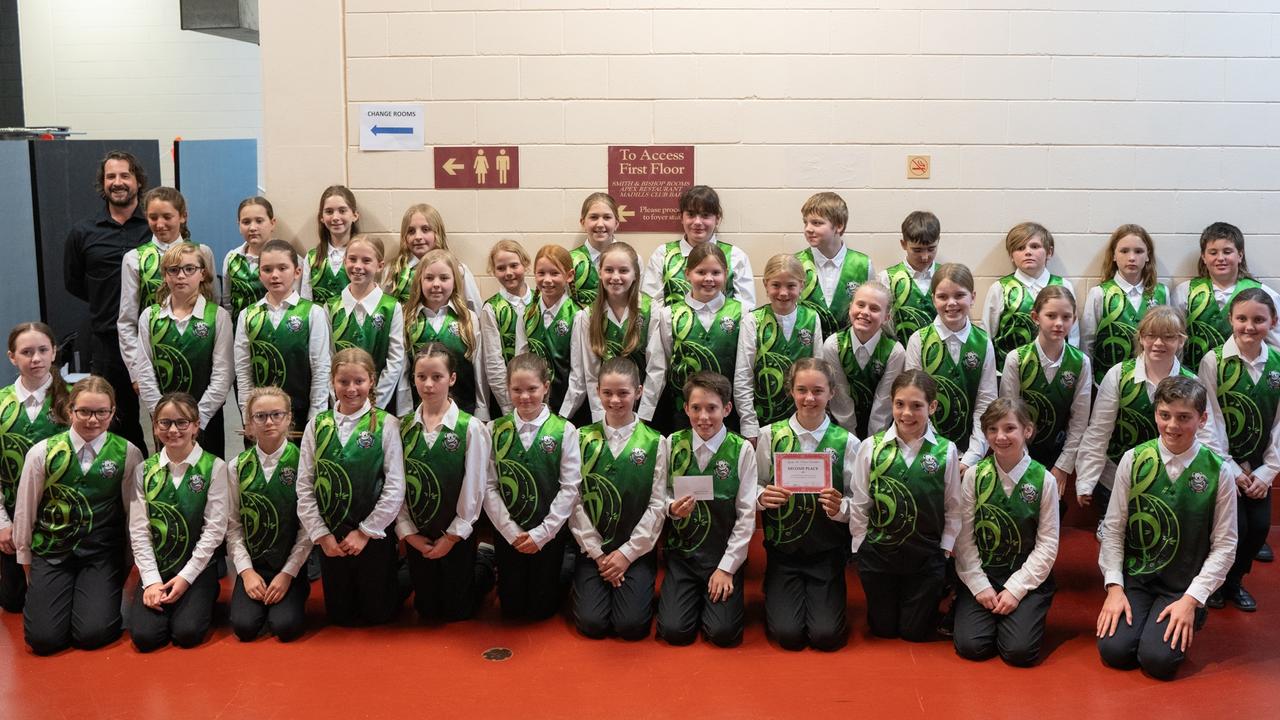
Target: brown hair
point(174, 198)
point(701, 252)
point(172, 258)
point(828, 206)
point(811, 363)
point(600, 308)
point(278, 245)
point(529, 362)
point(322, 250)
point(620, 365)
point(92, 384)
point(1054, 292)
point(1022, 233)
point(1222, 231)
point(59, 399)
point(700, 199)
point(598, 197)
point(1002, 406)
point(1257, 295)
point(257, 200)
point(183, 401)
point(918, 379)
point(1179, 388)
point(456, 302)
point(921, 227)
point(434, 349)
point(362, 359)
point(957, 273)
point(434, 221)
point(1109, 257)
point(135, 167)
point(712, 382)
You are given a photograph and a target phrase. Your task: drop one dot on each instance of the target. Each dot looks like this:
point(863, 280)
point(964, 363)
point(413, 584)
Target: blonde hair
point(267, 391)
point(456, 301)
point(1109, 257)
point(598, 197)
point(881, 288)
point(784, 264)
point(600, 308)
point(828, 206)
point(92, 384)
point(1159, 320)
point(1022, 233)
point(173, 257)
point(361, 359)
point(512, 247)
point(958, 273)
point(376, 245)
point(434, 221)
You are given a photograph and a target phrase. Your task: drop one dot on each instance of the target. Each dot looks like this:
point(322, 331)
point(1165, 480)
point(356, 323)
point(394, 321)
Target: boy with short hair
point(1159, 572)
point(707, 543)
point(909, 280)
point(832, 270)
point(1006, 315)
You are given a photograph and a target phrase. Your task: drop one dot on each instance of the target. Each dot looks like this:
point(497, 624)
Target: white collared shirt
point(744, 504)
point(828, 270)
point(435, 318)
point(346, 424)
point(744, 368)
point(237, 548)
point(549, 313)
point(32, 400)
point(619, 437)
point(86, 450)
point(178, 468)
point(1208, 374)
point(1081, 399)
point(387, 505)
point(922, 278)
point(842, 406)
point(365, 306)
point(318, 352)
point(471, 496)
point(704, 450)
point(1091, 318)
point(744, 282)
point(495, 366)
point(987, 389)
point(528, 429)
point(860, 500)
point(706, 311)
point(132, 302)
point(994, 305)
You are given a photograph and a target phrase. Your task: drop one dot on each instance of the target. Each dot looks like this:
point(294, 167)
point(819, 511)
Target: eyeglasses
point(167, 424)
point(184, 270)
point(86, 413)
point(274, 416)
point(1167, 339)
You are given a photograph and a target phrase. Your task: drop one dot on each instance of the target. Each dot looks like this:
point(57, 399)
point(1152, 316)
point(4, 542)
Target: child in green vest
point(706, 548)
point(350, 489)
point(501, 314)
point(868, 359)
point(770, 339)
point(1052, 378)
point(619, 517)
point(1242, 377)
point(283, 340)
point(698, 332)
point(185, 343)
point(806, 533)
point(832, 270)
point(266, 543)
point(437, 312)
point(531, 489)
point(1126, 290)
point(33, 408)
point(1007, 543)
point(241, 286)
point(1161, 568)
point(70, 526)
point(446, 456)
point(909, 280)
point(1122, 414)
point(666, 276)
point(363, 316)
point(599, 221)
point(1203, 300)
point(177, 520)
point(325, 276)
point(904, 513)
point(958, 355)
point(615, 325)
point(547, 327)
point(1006, 314)
point(421, 231)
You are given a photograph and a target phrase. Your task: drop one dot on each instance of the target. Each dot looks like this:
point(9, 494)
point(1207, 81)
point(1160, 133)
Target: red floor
point(407, 671)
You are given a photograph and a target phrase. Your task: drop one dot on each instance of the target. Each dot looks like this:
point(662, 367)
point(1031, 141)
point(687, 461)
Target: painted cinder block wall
point(1080, 115)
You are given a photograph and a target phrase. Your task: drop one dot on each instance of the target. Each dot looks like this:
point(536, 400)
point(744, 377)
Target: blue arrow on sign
point(379, 130)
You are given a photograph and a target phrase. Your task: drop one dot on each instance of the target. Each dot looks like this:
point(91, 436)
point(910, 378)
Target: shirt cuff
point(405, 528)
point(539, 536)
point(23, 557)
point(1113, 577)
point(150, 578)
point(460, 527)
point(948, 543)
point(375, 534)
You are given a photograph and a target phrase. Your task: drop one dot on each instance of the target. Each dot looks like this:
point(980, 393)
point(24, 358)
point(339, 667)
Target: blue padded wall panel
point(19, 278)
point(214, 176)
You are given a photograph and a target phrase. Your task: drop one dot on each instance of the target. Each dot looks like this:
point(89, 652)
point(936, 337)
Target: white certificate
point(699, 486)
point(802, 472)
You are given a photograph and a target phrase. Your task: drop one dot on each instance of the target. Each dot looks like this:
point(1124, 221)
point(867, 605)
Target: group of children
point(571, 410)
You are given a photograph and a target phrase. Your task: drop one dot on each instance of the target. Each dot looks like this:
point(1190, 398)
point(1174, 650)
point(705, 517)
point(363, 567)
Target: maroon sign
point(478, 168)
point(647, 181)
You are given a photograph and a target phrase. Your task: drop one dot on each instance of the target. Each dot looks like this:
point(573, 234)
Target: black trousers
point(805, 599)
point(1017, 637)
point(531, 587)
point(1253, 521)
point(74, 602)
point(285, 619)
point(213, 437)
point(185, 623)
point(1142, 644)
point(905, 605)
point(683, 605)
point(452, 587)
point(362, 590)
point(106, 361)
point(600, 610)
point(13, 584)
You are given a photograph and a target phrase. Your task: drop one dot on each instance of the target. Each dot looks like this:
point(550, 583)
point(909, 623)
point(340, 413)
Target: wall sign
point(647, 181)
point(391, 127)
point(479, 168)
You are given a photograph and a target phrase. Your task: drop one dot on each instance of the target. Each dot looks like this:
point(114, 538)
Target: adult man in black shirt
point(91, 271)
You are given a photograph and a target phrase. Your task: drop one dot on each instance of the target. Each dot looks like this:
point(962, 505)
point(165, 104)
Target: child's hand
point(774, 496)
point(174, 590)
point(419, 543)
point(1062, 477)
point(963, 469)
point(254, 587)
point(6, 541)
point(525, 544)
point(1005, 603)
point(1243, 481)
point(277, 589)
point(1257, 489)
point(1115, 606)
point(682, 507)
point(1084, 500)
point(151, 595)
point(1182, 622)
point(442, 546)
point(831, 499)
point(987, 599)
point(613, 567)
point(720, 586)
point(353, 544)
point(330, 547)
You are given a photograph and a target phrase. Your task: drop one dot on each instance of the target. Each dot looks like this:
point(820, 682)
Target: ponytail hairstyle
point(361, 359)
point(59, 398)
point(257, 200)
point(621, 365)
point(456, 302)
point(434, 221)
point(957, 273)
point(434, 349)
point(918, 379)
point(1054, 292)
point(322, 250)
point(174, 198)
point(173, 257)
point(1109, 257)
point(92, 384)
point(600, 308)
point(811, 363)
point(1257, 295)
point(698, 254)
point(374, 245)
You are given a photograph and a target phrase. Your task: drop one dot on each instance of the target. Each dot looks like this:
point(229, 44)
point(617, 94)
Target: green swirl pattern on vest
point(175, 516)
point(150, 275)
point(373, 335)
point(1014, 327)
point(801, 525)
point(1208, 324)
point(76, 504)
point(586, 278)
point(704, 534)
point(1168, 530)
point(674, 284)
point(553, 343)
point(326, 283)
point(834, 314)
point(695, 348)
point(1005, 526)
point(17, 434)
point(1135, 414)
point(528, 479)
point(506, 316)
point(957, 381)
point(183, 359)
point(280, 355)
point(863, 381)
point(912, 307)
point(616, 490)
point(246, 284)
point(1049, 401)
point(349, 475)
point(1113, 342)
point(1248, 407)
point(775, 353)
point(434, 473)
point(268, 506)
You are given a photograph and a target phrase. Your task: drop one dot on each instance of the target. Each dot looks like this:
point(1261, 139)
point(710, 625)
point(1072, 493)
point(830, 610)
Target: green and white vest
point(775, 353)
point(704, 534)
point(1208, 324)
point(183, 359)
point(834, 313)
point(528, 480)
point(616, 490)
point(81, 512)
point(17, 434)
point(912, 307)
point(1049, 401)
point(434, 474)
point(957, 381)
point(349, 476)
point(175, 515)
point(906, 520)
point(326, 283)
point(863, 381)
point(1014, 327)
point(801, 526)
point(268, 507)
point(694, 348)
point(674, 284)
point(1118, 326)
point(1005, 526)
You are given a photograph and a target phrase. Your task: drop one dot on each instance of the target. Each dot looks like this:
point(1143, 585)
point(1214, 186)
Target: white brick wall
point(1081, 115)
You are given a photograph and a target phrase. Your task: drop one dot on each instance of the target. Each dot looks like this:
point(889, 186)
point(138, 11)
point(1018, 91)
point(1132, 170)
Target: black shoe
point(1216, 601)
point(1243, 600)
point(1266, 554)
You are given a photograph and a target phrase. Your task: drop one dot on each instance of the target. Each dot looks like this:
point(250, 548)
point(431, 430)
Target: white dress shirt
point(547, 316)
point(471, 497)
point(645, 534)
point(495, 367)
point(994, 305)
point(132, 302)
point(479, 356)
point(1270, 466)
point(335, 257)
point(389, 501)
point(317, 353)
point(1091, 318)
point(828, 270)
point(32, 400)
point(861, 502)
point(987, 388)
point(744, 524)
point(212, 529)
point(1035, 569)
point(842, 407)
point(1222, 547)
point(1223, 296)
point(561, 505)
point(215, 396)
point(744, 282)
point(585, 364)
point(809, 440)
point(1081, 398)
point(744, 368)
point(922, 278)
point(237, 546)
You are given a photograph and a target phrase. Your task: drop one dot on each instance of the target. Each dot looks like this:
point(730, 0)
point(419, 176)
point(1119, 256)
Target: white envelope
point(700, 487)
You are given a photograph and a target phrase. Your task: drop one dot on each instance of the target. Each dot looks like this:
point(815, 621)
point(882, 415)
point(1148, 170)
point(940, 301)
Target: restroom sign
point(391, 127)
point(495, 167)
